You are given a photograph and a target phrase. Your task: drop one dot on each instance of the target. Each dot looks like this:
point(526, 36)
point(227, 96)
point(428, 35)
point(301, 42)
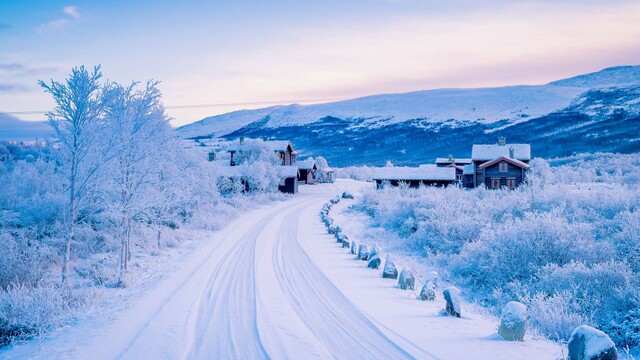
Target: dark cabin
point(425, 175)
point(500, 165)
point(503, 172)
point(288, 179)
point(307, 171)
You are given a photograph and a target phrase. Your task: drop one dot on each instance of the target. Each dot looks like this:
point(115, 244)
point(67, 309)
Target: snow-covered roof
point(504, 158)
point(306, 164)
point(279, 145)
point(228, 171)
point(468, 170)
point(287, 171)
point(455, 160)
point(276, 145)
point(424, 172)
point(490, 152)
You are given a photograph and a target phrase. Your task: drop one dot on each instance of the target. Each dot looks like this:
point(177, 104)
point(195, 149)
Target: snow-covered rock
point(374, 251)
point(346, 195)
point(374, 261)
point(587, 343)
point(331, 229)
point(363, 252)
point(514, 321)
point(428, 291)
point(406, 281)
point(354, 247)
point(453, 299)
point(345, 243)
point(390, 271)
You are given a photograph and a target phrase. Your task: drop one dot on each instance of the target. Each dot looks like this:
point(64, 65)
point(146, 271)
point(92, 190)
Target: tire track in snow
point(226, 327)
point(328, 313)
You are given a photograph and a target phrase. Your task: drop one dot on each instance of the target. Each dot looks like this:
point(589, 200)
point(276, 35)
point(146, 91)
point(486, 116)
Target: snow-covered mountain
point(12, 128)
point(587, 113)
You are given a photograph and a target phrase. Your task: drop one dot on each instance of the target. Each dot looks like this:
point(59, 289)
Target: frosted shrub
point(517, 249)
point(20, 261)
point(26, 311)
point(555, 316)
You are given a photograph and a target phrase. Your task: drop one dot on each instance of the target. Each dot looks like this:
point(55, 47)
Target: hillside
point(592, 112)
point(12, 128)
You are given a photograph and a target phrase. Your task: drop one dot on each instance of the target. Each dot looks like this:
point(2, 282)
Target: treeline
point(75, 210)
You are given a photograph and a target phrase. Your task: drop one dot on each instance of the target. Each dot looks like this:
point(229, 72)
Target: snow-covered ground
point(273, 284)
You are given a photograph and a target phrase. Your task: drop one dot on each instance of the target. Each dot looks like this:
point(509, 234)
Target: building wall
point(493, 171)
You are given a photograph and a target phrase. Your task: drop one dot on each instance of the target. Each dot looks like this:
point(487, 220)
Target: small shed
point(425, 175)
point(288, 179)
point(307, 171)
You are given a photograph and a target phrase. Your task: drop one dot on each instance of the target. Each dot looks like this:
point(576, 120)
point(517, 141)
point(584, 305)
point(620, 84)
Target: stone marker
point(406, 281)
point(354, 247)
point(363, 252)
point(587, 343)
point(390, 271)
point(452, 296)
point(374, 262)
point(428, 291)
point(514, 321)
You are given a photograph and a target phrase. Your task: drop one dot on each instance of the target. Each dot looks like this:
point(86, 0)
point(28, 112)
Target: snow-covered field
point(274, 284)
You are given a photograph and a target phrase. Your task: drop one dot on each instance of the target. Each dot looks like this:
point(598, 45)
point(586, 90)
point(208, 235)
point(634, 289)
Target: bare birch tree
point(77, 122)
point(141, 137)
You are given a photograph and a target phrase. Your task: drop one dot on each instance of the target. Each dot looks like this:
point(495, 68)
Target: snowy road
point(273, 284)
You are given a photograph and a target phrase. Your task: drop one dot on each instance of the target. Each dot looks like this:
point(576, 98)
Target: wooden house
point(457, 163)
point(500, 165)
point(425, 175)
point(283, 150)
point(288, 179)
point(307, 171)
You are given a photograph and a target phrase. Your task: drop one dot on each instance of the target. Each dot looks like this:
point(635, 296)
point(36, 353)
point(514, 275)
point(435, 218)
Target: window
point(495, 183)
point(503, 167)
point(511, 182)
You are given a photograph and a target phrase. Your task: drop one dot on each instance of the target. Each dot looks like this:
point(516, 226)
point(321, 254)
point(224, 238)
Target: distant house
point(456, 163)
point(307, 171)
point(230, 179)
point(282, 148)
point(499, 165)
point(425, 175)
point(288, 179)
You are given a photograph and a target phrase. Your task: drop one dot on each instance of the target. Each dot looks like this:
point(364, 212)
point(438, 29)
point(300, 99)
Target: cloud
point(13, 88)
point(71, 11)
point(71, 14)
point(18, 69)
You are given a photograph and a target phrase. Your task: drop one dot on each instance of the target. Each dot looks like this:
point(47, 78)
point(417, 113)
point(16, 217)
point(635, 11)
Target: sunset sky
point(248, 54)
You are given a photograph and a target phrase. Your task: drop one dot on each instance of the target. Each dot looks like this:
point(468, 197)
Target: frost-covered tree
point(83, 147)
point(141, 135)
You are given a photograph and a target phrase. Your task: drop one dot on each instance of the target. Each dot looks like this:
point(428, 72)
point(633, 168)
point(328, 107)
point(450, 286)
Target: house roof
point(276, 145)
point(515, 162)
point(522, 152)
point(424, 172)
point(287, 171)
point(227, 171)
point(306, 164)
point(456, 161)
point(468, 170)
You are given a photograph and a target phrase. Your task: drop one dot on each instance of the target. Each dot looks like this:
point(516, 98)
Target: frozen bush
point(517, 249)
point(555, 316)
point(27, 311)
